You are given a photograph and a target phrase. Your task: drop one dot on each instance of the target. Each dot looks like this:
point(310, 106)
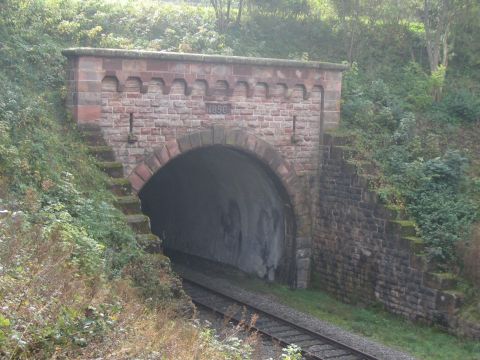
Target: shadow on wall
point(224, 205)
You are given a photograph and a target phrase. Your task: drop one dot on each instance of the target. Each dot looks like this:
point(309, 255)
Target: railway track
point(314, 345)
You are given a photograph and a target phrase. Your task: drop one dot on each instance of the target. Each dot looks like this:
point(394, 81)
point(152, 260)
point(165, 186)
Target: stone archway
point(293, 265)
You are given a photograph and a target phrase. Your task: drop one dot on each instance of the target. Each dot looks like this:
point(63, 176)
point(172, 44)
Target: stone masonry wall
point(159, 118)
point(153, 106)
point(365, 252)
point(167, 95)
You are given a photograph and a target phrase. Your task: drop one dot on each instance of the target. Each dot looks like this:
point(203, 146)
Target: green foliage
point(457, 107)
point(283, 8)
point(444, 213)
point(291, 352)
point(79, 328)
point(152, 275)
point(428, 180)
point(414, 86)
point(422, 341)
point(391, 105)
point(231, 347)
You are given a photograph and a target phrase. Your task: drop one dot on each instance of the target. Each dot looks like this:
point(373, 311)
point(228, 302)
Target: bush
point(435, 195)
point(152, 275)
point(46, 278)
point(462, 105)
point(416, 172)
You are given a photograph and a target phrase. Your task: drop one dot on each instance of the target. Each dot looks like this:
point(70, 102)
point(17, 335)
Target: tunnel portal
point(222, 204)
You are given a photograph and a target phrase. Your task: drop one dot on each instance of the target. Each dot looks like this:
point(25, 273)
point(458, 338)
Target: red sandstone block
point(332, 95)
point(200, 69)
point(282, 170)
point(173, 148)
point(262, 72)
point(242, 70)
point(195, 140)
point(221, 71)
point(332, 105)
point(153, 163)
point(89, 86)
point(162, 155)
point(284, 73)
point(114, 64)
point(136, 181)
point(88, 98)
point(88, 113)
point(333, 75)
point(230, 136)
point(319, 75)
point(303, 74)
point(179, 68)
point(331, 117)
point(143, 171)
point(184, 143)
point(272, 157)
point(157, 65)
point(89, 63)
point(207, 137)
point(134, 65)
point(241, 138)
point(118, 109)
point(87, 75)
point(218, 134)
point(251, 142)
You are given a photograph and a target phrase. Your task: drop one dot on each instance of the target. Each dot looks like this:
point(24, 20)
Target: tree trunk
point(436, 37)
point(239, 14)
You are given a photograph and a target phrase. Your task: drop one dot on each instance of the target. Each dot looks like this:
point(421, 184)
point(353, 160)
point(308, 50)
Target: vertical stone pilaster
point(87, 98)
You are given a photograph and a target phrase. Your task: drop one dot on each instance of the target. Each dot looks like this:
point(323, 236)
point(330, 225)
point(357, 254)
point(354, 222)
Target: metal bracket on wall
point(132, 138)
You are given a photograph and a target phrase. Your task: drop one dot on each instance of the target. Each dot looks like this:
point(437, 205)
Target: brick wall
point(364, 252)
point(167, 95)
point(146, 101)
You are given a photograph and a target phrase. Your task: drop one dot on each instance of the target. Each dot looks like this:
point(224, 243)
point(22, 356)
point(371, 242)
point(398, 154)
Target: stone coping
point(218, 59)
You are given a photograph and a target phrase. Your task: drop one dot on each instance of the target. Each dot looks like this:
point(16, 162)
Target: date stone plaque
point(219, 108)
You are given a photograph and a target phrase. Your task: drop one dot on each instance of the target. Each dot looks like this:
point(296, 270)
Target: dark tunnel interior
point(224, 205)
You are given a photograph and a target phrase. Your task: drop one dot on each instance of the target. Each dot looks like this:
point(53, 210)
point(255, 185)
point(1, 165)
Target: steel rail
point(318, 346)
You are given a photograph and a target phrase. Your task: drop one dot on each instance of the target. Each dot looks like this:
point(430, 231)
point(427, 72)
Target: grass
point(51, 309)
point(424, 342)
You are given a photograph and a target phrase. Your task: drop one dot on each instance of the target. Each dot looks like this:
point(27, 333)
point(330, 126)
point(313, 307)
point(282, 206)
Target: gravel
point(268, 304)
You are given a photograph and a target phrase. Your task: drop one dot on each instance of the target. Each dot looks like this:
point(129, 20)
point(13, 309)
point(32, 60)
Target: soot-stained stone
point(223, 205)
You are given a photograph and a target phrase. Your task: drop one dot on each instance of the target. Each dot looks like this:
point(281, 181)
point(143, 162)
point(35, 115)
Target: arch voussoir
point(136, 181)
point(173, 148)
point(162, 155)
point(195, 139)
point(144, 171)
point(153, 163)
point(206, 137)
point(219, 135)
point(184, 143)
point(251, 143)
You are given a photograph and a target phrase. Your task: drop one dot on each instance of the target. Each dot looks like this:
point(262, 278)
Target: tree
point(437, 17)
point(223, 12)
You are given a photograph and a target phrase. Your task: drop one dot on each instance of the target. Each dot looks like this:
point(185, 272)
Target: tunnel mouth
point(223, 204)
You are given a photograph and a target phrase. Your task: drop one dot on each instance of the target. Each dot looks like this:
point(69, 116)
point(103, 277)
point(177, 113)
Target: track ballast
point(314, 345)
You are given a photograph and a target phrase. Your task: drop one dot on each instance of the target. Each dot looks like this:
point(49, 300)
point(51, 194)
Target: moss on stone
point(404, 223)
point(109, 164)
point(119, 181)
point(445, 275)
